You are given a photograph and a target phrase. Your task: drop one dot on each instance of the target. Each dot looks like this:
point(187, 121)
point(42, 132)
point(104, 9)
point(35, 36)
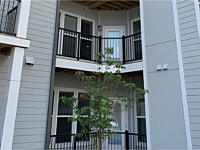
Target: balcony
point(81, 46)
point(117, 140)
point(8, 15)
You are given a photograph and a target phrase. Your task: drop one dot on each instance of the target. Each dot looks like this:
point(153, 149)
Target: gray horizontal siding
point(190, 44)
point(30, 126)
point(4, 61)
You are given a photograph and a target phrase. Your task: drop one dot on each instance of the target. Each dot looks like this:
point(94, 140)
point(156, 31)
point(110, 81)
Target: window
point(136, 30)
point(140, 117)
point(74, 44)
point(62, 112)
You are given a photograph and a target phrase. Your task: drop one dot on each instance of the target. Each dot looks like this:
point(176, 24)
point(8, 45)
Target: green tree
point(101, 89)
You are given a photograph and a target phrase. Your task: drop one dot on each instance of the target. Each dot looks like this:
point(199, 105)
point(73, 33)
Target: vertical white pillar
point(11, 97)
point(22, 18)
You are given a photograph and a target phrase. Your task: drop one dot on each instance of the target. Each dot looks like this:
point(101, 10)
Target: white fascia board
point(88, 66)
point(76, 65)
point(14, 41)
point(182, 76)
point(132, 67)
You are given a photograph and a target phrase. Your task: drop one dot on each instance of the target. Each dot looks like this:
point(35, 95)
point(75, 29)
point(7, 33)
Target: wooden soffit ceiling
point(109, 4)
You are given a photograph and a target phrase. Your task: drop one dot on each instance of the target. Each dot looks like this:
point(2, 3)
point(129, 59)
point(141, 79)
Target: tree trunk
point(99, 140)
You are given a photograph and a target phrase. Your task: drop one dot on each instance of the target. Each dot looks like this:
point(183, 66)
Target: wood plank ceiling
point(109, 4)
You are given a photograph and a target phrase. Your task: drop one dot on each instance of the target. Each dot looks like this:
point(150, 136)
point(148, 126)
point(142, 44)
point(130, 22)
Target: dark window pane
point(52, 103)
point(141, 107)
point(63, 127)
point(83, 130)
point(136, 27)
point(64, 109)
point(69, 45)
point(86, 48)
point(141, 126)
point(70, 23)
point(86, 43)
point(86, 27)
point(83, 101)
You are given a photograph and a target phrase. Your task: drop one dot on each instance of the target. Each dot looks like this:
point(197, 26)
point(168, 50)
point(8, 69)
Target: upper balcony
point(10, 21)
point(8, 15)
point(85, 47)
point(89, 27)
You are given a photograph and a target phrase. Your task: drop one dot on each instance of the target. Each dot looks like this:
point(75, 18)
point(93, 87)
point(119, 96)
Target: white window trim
point(181, 71)
point(79, 18)
point(197, 12)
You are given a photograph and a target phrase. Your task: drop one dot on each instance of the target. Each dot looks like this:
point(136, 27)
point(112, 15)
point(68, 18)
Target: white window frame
point(137, 117)
point(197, 12)
point(132, 21)
point(55, 115)
point(79, 18)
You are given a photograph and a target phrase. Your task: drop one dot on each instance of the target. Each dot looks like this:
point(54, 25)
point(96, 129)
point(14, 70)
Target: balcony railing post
point(123, 49)
point(126, 140)
point(78, 45)
point(74, 142)
point(100, 44)
point(100, 48)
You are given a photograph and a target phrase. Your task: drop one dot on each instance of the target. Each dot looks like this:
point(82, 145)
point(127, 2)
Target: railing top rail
point(133, 34)
point(137, 134)
point(79, 33)
point(98, 36)
point(112, 38)
point(13, 9)
point(71, 134)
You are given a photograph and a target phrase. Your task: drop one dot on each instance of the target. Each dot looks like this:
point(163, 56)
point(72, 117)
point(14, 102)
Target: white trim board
point(182, 78)
point(147, 111)
point(197, 12)
point(88, 66)
point(14, 41)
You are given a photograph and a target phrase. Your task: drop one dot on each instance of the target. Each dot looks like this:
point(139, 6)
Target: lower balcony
point(117, 140)
point(81, 46)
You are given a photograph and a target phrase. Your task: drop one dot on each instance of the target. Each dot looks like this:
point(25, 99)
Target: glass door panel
point(115, 141)
point(137, 39)
point(64, 126)
point(86, 39)
point(82, 129)
point(113, 39)
point(115, 44)
point(70, 36)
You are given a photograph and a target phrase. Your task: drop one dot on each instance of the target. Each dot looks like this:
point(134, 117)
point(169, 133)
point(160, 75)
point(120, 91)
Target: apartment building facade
point(43, 42)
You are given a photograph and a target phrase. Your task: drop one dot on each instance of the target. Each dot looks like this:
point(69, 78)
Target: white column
point(14, 78)
point(11, 97)
point(22, 18)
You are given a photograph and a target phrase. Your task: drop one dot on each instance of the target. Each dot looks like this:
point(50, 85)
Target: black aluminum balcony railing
point(86, 47)
point(118, 140)
point(8, 15)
